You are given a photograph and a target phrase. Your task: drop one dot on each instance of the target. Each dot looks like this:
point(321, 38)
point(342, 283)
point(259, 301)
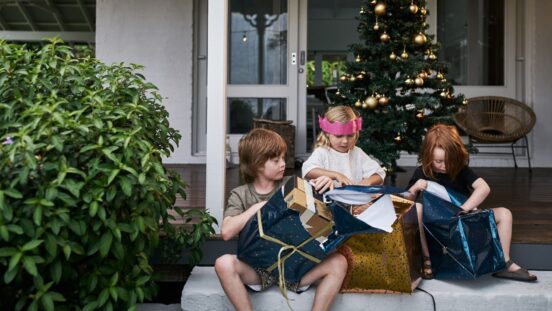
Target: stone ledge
point(203, 292)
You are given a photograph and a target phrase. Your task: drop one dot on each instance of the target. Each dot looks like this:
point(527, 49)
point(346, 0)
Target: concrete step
point(203, 292)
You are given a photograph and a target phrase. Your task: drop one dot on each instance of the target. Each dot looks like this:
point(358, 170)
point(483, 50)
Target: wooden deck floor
point(527, 195)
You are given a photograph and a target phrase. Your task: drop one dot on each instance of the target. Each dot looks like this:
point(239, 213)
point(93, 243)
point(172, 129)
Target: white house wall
point(158, 35)
point(541, 88)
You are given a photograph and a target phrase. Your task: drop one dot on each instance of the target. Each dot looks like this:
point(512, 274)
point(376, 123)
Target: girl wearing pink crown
point(336, 159)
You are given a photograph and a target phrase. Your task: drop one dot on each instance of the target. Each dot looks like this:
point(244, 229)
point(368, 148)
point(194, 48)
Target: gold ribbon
point(294, 249)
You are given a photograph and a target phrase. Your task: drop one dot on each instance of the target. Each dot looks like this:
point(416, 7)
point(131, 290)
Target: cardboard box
point(312, 211)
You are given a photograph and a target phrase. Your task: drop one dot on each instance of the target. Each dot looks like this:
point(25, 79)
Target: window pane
point(258, 42)
point(243, 110)
point(472, 36)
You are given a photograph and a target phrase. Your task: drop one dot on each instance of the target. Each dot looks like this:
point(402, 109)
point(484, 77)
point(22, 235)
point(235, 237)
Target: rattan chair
point(497, 120)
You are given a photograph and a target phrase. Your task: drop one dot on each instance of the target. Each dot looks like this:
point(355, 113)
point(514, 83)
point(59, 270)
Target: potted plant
point(179, 250)
point(83, 192)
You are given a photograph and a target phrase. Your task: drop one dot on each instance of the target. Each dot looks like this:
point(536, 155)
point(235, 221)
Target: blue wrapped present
point(461, 245)
point(288, 236)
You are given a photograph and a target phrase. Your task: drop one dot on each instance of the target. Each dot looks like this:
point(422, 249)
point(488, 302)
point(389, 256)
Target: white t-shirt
point(355, 164)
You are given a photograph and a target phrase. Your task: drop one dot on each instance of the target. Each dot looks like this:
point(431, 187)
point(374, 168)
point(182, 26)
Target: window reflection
point(243, 110)
point(472, 36)
point(258, 42)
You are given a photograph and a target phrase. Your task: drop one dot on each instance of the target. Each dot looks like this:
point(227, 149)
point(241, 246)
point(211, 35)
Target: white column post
point(217, 44)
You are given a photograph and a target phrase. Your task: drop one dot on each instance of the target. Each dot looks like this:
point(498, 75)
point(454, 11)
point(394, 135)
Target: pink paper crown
point(338, 128)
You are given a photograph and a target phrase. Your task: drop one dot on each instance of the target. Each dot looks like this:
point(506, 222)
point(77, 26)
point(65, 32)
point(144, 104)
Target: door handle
point(302, 58)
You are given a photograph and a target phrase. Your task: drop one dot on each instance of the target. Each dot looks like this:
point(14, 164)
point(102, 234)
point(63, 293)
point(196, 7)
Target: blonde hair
point(257, 147)
point(341, 114)
point(447, 138)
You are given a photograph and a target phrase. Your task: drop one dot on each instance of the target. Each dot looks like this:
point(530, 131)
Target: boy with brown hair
point(262, 165)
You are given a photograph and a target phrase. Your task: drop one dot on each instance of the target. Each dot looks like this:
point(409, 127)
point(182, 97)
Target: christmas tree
point(396, 82)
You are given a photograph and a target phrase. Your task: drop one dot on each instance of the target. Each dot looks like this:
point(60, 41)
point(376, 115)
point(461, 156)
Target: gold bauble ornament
point(440, 76)
point(383, 100)
point(392, 56)
point(432, 56)
point(360, 77)
point(376, 26)
point(352, 79)
point(371, 102)
point(398, 138)
point(465, 101)
point(443, 80)
point(364, 105)
point(373, 2)
point(413, 8)
point(423, 75)
point(420, 116)
point(337, 92)
point(409, 81)
point(358, 103)
point(343, 78)
point(357, 59)
point(404, 55)
point(380, 8)
point(443, 94)
point(420, 38)
point(423, 11)
point(419, 81)
point(385, 37)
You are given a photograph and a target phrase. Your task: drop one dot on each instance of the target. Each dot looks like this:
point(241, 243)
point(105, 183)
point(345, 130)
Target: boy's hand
point(322, 183)
point(257, 206)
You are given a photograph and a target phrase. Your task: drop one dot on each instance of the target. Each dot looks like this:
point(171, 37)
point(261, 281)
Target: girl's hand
point(342, 179)
point(420, 185)
point(323, 183)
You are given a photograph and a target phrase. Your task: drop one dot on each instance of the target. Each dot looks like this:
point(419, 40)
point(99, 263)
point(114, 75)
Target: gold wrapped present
point(301, 197)
point(386, 262)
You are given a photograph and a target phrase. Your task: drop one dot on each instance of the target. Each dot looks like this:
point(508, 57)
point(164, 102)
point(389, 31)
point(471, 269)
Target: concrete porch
point(203, 292)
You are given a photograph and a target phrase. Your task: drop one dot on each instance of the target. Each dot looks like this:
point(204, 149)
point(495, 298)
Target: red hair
point(447, 138)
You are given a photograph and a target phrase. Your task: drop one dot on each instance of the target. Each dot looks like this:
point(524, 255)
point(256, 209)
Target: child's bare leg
point(233, 274)
point(423, 241)
point(331, 272)
point(504, 221)
point(426, 264)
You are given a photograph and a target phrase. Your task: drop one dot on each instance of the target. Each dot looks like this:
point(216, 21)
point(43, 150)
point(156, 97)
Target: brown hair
point(257, 147)
point(447, 138)
point(341, 114)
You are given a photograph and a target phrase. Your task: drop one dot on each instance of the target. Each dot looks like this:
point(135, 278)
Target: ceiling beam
point(86, 14)
point(26, 14)
point(3, 23)
point(56, 13)
point(67, 36)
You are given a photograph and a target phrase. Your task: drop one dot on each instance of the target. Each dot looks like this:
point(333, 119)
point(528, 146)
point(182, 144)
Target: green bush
point(83, 192)
point(198, 226)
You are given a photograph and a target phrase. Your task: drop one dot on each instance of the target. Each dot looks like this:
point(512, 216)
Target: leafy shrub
point(190, 237)
point(83, 193)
